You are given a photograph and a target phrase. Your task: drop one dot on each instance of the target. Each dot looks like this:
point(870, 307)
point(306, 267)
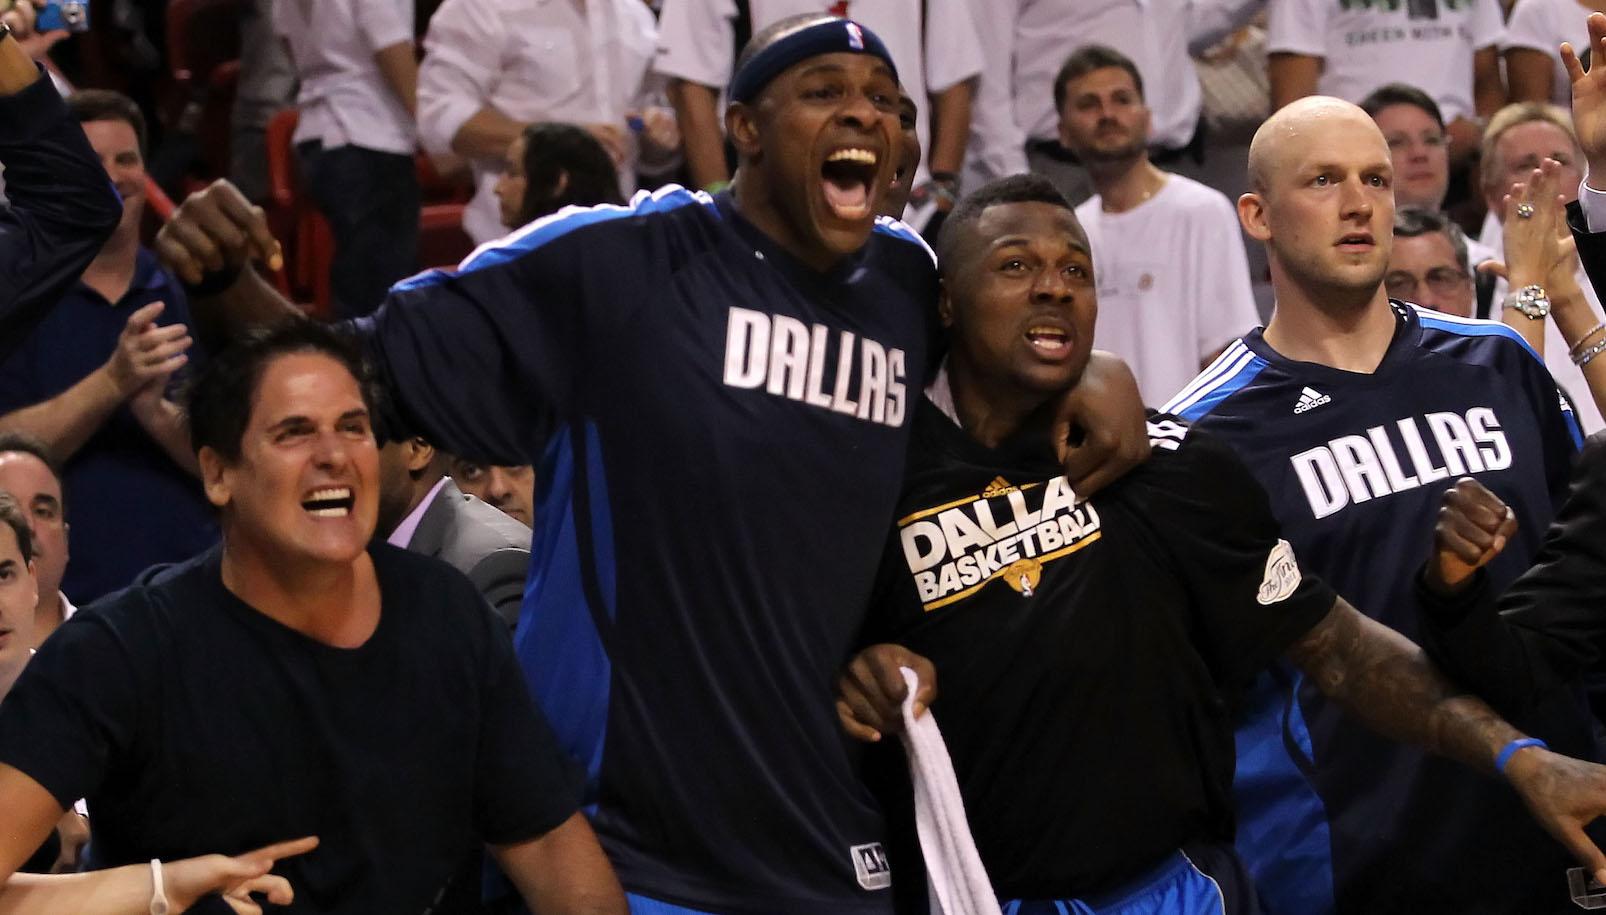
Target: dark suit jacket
point(492, 549)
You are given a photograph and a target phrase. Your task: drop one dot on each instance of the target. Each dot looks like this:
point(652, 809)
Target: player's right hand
point(234, 879)
point(1473, 527)
point(871, 690)
point(216, 231)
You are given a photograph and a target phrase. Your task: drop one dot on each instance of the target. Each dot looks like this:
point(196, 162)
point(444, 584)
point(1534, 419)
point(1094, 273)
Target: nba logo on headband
point(855, 36)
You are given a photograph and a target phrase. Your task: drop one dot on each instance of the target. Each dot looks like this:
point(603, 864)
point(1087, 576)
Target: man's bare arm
point(398, 64)
point(1388, 683)
point(700, 130)
point(1293, 76)
point(563, 872)
point(950, 127)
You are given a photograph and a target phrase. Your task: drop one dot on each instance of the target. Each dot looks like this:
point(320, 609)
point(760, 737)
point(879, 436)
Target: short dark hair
point(1024, 188)
point(23, 443)
point(1411, 222)
point(1085, 60)
point(105, 105)
point(219, 399)
point(566, 152)
point(12, 516)
point(1402, 94)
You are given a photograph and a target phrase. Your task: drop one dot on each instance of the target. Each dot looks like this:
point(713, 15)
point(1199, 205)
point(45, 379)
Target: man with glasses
point(1428, 265)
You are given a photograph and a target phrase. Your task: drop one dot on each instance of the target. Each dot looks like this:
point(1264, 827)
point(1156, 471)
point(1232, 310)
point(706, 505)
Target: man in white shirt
point(933, 43)
point(1173, 278)
point(492, 66)
point(1346, 49)
point(29, 474)
point(1518, 138)
point(355, 136)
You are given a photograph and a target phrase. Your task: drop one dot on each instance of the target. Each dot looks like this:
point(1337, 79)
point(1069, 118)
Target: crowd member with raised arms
point(1348, 407)
point(676, 591)
point(1131, 620)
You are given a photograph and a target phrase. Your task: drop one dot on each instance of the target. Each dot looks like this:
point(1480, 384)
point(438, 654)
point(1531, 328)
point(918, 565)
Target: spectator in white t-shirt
point(493, 66)
point(1347, 48)
point(933, 43)
point(1173, 279)
point(1519, 137)
point(1534, 34)
point(356, 136)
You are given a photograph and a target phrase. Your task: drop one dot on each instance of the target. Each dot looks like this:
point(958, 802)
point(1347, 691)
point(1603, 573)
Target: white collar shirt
point(344, 99)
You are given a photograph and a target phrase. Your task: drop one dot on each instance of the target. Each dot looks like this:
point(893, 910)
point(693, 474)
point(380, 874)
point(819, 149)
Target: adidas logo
point(997, 487)
point(1310, 399)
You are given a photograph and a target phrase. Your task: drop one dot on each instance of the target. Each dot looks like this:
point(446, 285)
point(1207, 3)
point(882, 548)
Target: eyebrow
point(7, 565)
point(1017, 241)
point(45, 499)
point(299, 418)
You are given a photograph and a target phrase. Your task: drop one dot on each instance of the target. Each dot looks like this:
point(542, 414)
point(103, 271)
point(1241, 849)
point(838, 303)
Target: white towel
point(957, 881)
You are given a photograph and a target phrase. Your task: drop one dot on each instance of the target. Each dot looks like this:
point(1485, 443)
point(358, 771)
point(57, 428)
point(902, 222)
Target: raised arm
point(1388, 683)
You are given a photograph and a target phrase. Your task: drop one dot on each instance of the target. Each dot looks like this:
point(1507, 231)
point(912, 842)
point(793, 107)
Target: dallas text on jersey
point(788, 358)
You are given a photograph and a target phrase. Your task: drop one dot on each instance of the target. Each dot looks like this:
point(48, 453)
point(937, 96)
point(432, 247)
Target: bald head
point(1292, 131)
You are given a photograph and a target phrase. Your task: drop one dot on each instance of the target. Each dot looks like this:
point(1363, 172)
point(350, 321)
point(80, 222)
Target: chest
point(561, 60)
point(1362, 26)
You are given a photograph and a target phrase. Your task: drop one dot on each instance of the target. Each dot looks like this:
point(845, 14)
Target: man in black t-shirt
point(1089, 651)
point(299, 680)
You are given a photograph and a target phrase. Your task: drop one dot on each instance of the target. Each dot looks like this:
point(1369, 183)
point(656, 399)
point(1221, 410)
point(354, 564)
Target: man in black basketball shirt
point(1089, 652)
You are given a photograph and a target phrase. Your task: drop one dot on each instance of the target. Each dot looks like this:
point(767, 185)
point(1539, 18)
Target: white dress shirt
point(532, 60)
point(344, 99)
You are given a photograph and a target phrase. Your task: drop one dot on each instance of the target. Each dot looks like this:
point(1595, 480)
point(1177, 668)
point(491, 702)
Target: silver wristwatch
point(1530, 300)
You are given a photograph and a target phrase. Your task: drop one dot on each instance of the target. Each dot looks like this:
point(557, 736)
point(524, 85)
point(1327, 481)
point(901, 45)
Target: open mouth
point(848, 175)
point(1048, 339)
point(329, 502)
point(1356, 239)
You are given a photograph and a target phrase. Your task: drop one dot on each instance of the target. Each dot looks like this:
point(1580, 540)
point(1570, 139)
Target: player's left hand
point(1101, 430)
point(1564, 795)
point(871, 690)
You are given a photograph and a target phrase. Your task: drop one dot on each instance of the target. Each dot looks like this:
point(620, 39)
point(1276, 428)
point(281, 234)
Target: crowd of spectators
point(370, 149)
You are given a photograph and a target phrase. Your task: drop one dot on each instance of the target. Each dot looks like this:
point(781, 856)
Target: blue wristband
point(1511, 748)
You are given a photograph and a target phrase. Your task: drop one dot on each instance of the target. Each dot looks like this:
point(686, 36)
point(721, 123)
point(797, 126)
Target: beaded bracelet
point(1584, 340)
point(1585, 357)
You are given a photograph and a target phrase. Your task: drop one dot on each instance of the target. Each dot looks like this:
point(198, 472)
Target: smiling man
point(1350, 409)
point(250, 691)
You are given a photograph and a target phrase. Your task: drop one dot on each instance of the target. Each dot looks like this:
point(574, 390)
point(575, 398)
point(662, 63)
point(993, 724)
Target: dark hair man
point(29, 474)
point(1085, 650)
point(60, 207)
point(250, 691)
point(1428, 264)
point(549, 166)
point(18, 592)
point(1348, 408)
point(730, 378)
point(91, 382)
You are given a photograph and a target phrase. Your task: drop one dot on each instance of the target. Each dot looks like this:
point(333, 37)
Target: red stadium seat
point(203, 50)
point(295, 221)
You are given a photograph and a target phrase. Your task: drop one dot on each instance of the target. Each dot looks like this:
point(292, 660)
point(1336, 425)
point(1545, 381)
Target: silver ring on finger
point(1525, 211)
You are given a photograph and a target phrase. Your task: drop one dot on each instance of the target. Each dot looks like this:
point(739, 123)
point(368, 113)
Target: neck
point(1342, 329)
point(112, 270)
point(757, 205)
point(47, 615)
point(1126, 184)
point(989, 412)
point(10, 672)
point(334, 603)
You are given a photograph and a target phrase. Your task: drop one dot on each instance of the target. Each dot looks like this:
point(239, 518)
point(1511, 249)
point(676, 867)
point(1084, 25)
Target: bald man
point(1355, 412)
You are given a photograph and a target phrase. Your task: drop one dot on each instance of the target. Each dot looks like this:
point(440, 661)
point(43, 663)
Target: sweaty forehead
point(1310, 130)
point(1035, 220)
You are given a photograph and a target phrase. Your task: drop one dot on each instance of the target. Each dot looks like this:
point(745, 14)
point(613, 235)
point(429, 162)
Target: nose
point(859, 111)
point(498, 486)
point(1051, 286)
point(1355, 203)
point(330, 450)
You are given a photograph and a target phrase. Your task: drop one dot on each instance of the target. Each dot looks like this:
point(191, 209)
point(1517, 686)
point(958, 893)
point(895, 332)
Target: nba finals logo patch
point(855, 36)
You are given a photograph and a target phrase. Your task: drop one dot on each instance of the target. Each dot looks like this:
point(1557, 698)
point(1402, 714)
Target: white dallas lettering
point(1352, 469)
point(789, 358)
point(963, 547)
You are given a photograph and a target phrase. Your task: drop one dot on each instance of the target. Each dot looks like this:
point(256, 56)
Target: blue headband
point(838, 36)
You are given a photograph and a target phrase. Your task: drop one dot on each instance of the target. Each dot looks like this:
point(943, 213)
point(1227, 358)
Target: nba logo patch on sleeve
point(1282, 575)
point(871, 866)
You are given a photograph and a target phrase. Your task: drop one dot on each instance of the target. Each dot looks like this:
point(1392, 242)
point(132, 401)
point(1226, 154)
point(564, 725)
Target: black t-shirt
point(1087, 654)
point(195, 724)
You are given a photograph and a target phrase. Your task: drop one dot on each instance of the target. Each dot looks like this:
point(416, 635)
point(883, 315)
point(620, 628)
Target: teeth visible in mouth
point(859, 156)
point(330, 512)
point(1047, 337)
point(329, 502)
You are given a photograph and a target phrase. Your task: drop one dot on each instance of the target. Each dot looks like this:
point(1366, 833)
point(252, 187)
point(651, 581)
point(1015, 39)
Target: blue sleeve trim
point(1230, 374)
point(886, 225)
point(548, 229)
point(1472, 327)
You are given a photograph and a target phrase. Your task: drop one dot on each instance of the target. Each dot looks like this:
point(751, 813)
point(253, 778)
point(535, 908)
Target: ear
point(419, 454)
point(1252, 214)
point(945, 305)
point(562, 185)
point(741, 125)
point(214, 477)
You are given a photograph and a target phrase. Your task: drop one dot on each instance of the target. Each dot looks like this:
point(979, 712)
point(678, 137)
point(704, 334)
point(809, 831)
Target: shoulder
point(479, 530)
point(898, 237)
point(1190, 472)
point(1233, 370)
point(1473, 339)
point(1188, 194)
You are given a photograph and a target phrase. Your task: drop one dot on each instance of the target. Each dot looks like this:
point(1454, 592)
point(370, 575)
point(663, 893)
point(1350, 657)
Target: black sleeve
point(62, 207)
point(73, 709)
point(1250, 600)
point(1548, 627)
point(1591, 247)
point(525, 785)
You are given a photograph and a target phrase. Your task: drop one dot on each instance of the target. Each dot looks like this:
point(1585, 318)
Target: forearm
point(563, 872)
point(700, 131)
point(398, 64)
point(950, 128)
point(164, 422)
point(486, 135)
point(1530, 74)
point(1505, 664)
point(109, 892)
point(17, 70)
point(1387, 682)
point(1292, 76)
point(66, 421)
point(1488, 91)
point(250, 302)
